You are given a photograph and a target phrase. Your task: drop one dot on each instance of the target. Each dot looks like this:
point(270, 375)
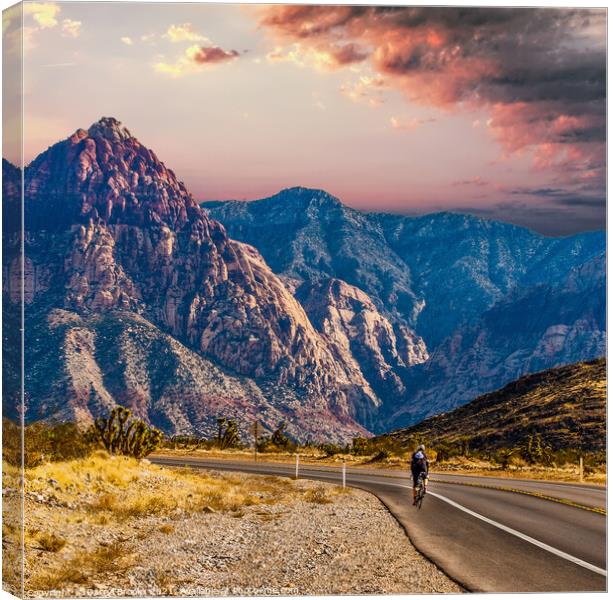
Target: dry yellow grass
point(166, 528)
point(11, 529)
point(83, 566)
point(50, 542)
point(118, 483)
point(318, 495)
point(111, 498)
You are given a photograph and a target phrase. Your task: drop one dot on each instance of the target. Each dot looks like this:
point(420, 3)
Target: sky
point(496, 112)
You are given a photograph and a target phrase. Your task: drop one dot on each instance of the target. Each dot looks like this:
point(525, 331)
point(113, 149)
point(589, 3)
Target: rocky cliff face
point(308, 234)
point(360, 334)
point(80, 364)
point(110, 228)
point(528, 331)
point(463, 265)
point(486, 302)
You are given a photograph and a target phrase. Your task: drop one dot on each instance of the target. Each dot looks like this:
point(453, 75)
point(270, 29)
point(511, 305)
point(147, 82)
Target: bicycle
point(421, 490)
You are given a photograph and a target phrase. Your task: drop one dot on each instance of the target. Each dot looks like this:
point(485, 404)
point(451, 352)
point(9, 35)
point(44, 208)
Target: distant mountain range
point(296, 309)
point(484, 302)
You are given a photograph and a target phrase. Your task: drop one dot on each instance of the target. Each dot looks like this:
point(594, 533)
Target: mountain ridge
point(453, 272)
point(109, 227)
point(340, 322)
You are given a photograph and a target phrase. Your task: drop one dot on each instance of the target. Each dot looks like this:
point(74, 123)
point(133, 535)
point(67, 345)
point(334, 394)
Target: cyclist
point(419, 465)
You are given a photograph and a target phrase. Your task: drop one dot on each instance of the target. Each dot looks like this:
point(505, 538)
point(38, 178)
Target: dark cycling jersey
point(419, 463)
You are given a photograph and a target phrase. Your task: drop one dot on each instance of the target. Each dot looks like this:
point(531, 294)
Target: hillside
point(111, 231)
point(480, 302)
point(566, 405)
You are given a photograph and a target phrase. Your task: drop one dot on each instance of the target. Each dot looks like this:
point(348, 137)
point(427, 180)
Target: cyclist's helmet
point(421, 447)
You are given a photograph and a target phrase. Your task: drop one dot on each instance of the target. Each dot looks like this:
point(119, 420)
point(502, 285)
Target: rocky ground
point(212, 535)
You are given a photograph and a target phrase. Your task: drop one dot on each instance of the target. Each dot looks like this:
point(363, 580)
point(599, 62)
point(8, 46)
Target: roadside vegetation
point(531, 457)
point(539, 426)
point(92, 500)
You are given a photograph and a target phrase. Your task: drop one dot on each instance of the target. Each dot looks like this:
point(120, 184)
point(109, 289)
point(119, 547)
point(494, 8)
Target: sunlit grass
point(83, 566)
point(101, 493)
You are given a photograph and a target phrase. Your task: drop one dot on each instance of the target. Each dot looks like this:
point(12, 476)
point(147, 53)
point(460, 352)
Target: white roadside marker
point(523, 536)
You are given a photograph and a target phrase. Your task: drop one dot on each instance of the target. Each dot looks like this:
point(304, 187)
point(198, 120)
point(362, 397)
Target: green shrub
point(504, 456)
point(188, 442)
point(536, 451)
point(331, 449)
point(443, 451)
point(278, 441)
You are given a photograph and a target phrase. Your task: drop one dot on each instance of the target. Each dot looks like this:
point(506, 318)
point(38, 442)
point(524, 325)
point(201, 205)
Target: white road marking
point(523, 536)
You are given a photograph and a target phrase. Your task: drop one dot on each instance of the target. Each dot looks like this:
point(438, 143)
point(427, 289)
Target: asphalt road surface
point(488, 540)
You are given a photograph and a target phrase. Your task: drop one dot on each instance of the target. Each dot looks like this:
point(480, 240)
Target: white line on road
point(523, 536)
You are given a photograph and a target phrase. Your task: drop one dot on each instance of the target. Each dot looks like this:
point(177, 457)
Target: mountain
point(566, 405)
point(295, 309)
point(307, 235)
point(350, 322)
point(109, 231)
point(531, 329)
point(484, 302)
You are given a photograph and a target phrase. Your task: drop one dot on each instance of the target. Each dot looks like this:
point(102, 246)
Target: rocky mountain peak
point(109, 128)
point(306, 197)
point(105, 174)
point(111, 231)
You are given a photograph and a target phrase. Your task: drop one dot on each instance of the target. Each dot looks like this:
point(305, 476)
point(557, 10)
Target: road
point(486, 539)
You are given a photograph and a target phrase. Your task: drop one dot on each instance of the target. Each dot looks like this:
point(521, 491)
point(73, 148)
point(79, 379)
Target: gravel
point(351, 545)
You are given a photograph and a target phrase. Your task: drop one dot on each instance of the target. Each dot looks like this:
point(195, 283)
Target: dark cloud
point(213, 54)
point(348, 54)
point(541, 72)
point(561, 197)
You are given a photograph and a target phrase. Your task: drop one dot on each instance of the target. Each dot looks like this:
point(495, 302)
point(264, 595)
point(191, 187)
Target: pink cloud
point(539, 72)
point(213, 54)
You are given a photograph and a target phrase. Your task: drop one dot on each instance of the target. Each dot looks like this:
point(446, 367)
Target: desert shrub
point(44, 441)
point(444, 451)
point(317, 495)
point(278, 441)
point(106, 502)
point(536, 451)
point(83, 566)
point(464, 445)
point(147, 504)
point(189, 442)
point(227, 434)
point(381, 456)
point(331, 449)
point(504, 456)
point(120, 434)
point(385, 446)
point(50, 542)
point(360, 446)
